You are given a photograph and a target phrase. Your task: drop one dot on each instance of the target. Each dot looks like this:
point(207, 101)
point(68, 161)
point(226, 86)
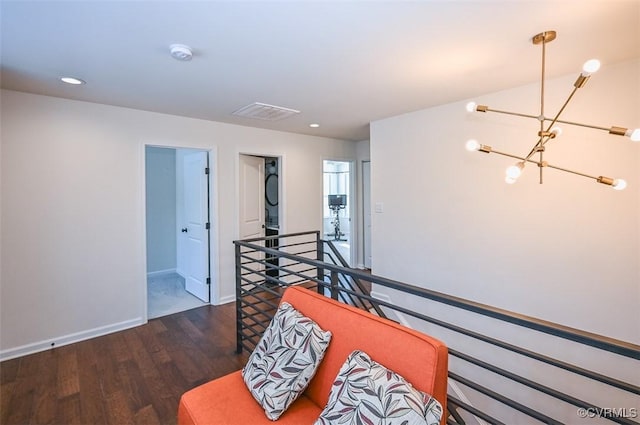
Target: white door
point(366, 211)
point(196, 227)
point(251, 197)
point(251, 212)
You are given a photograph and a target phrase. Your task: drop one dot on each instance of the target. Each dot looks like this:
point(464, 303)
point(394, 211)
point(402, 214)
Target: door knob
point(184, 230)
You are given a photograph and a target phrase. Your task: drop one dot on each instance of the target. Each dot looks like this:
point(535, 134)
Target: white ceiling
point(341, 63)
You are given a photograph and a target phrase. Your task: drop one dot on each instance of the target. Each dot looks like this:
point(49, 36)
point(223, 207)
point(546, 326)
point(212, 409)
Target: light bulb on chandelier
point(515, 171)
point(619, 184)
point(472, 145)
point(634, 135)
point(590, 66)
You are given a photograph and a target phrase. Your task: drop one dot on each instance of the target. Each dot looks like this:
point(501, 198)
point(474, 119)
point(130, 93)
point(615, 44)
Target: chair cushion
point(226, 401)
point(366, 392)
point(285, 359)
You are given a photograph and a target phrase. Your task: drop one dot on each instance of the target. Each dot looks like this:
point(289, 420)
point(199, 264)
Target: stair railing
point(524, 384)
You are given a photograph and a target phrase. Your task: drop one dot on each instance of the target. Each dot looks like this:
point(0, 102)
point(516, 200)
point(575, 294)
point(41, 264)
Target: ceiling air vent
point(262, 111)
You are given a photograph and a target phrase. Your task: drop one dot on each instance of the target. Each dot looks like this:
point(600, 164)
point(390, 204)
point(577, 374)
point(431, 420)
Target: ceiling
point(342, 64)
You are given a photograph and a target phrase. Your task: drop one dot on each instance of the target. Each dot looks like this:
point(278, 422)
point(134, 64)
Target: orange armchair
point(419, 358)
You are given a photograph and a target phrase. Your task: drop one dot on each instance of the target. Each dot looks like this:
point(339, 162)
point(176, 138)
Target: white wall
point(161, 209)
point(73, 226)
point(567, 251)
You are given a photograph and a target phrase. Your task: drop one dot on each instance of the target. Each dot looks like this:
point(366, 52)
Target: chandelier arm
point(511, 113)
point(557, 120)
point(533, 161)
point(596, 127)
point(572, 172)
point(543, 164)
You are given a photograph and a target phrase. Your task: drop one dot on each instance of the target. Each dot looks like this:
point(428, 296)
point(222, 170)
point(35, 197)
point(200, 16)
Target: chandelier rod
point(542, 164)
point(596, 127)
point(542, 79)
point(540, 142)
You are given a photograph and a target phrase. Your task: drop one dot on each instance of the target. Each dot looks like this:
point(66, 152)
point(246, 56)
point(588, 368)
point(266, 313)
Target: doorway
point(177, 229)
point(259, 211)
point(259, 208)
point(338, 204)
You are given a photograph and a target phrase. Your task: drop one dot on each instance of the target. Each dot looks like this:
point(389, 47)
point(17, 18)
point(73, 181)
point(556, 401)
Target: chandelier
point(548, 129)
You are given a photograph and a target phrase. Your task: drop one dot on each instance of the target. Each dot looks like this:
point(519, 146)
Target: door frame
point(351, 205)
point(281, 188)
point(366, 210)
point(214, 228)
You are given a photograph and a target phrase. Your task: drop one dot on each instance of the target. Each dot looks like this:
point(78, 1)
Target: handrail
point(311, 268)
point(288, 235)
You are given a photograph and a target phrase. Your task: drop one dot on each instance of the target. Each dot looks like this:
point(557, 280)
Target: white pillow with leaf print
point(365, 392)
point(285, 360)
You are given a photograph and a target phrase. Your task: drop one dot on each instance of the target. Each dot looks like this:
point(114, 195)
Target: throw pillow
point(366, 392)
point(285, 359)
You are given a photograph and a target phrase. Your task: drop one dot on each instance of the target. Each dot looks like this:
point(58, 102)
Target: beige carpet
point(166, 295)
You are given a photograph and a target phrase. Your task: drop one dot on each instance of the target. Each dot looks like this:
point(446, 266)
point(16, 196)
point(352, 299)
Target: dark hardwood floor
point(131, 377)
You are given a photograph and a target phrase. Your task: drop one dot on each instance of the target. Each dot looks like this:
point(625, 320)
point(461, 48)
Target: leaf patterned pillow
point(285, 359)
point(365, 392)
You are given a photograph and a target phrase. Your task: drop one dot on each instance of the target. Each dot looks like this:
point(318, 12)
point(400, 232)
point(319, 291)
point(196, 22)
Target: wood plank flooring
point(131, 377)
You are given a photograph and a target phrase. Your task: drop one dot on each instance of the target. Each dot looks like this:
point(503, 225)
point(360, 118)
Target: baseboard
point(160, 273)
point(226, 300)
point(37, 347)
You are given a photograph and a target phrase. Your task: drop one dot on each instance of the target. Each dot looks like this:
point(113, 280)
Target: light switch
point(379, 207)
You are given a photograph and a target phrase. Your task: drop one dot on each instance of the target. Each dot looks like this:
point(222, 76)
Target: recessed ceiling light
point(314, 125)
point(72, 80)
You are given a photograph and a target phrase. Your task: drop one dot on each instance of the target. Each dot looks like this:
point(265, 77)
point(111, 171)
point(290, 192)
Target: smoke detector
point(181, 52)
